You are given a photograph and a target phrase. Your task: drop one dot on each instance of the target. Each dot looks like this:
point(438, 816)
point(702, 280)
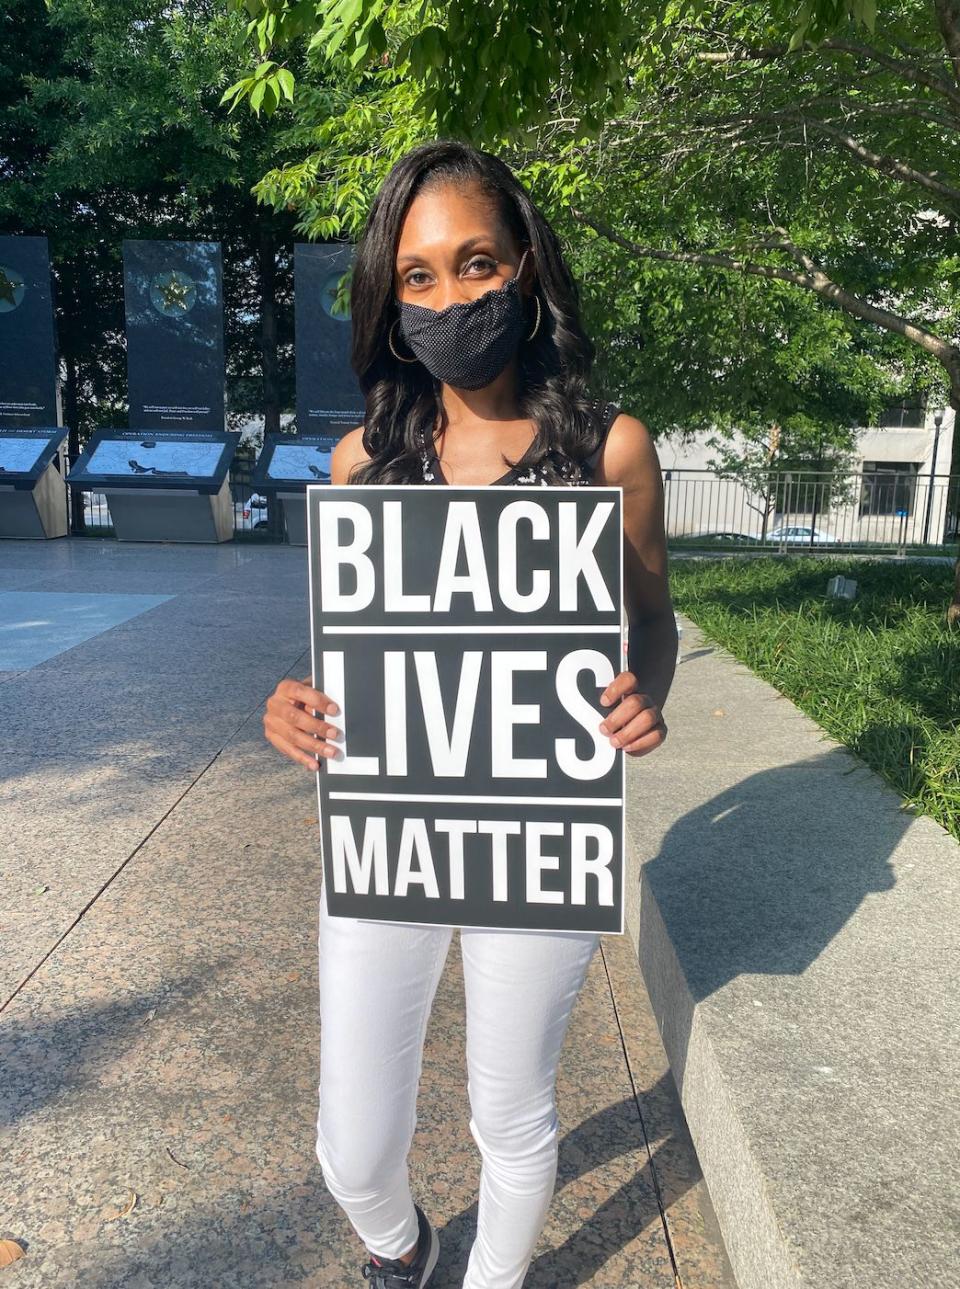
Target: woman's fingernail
point(333, 709)
point(604, 729)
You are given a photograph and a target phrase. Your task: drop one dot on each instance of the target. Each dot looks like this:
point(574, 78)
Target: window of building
point(905, 413)
point(888, 487)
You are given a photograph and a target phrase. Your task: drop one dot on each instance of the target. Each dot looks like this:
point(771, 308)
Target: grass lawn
point(881, 673)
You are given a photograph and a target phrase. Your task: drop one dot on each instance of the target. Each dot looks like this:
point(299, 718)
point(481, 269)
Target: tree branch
point(812, 279)
point(884, 164)
point(880, 162)
point(948, 20)
point(847, 106)
point(908, 69)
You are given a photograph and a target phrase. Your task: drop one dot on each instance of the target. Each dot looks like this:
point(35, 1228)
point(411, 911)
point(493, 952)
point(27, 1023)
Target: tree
point(814, 151)
point(111, 128)
point(822, 158)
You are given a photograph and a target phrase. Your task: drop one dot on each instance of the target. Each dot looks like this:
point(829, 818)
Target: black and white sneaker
point(391, 1273)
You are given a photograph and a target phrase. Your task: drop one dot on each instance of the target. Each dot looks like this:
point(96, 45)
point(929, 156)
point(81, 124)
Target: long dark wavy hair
point(403, 406)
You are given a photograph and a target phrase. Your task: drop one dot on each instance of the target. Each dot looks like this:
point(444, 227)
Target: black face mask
point(467, 345)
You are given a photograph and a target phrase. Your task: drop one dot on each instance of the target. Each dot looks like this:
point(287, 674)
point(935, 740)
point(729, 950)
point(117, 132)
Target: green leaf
point(236, 90)
point(271, 97)
point(376, 37)
point(520, 46)
point(360, 53)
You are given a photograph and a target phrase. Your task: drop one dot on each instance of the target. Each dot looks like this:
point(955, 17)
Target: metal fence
point(890, 510)
point(896, 510)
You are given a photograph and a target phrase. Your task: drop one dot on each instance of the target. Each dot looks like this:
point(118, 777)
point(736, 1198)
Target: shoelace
point(389, 1275)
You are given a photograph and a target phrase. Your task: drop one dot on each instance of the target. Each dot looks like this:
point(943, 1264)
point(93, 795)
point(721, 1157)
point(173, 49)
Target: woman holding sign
point(468, 345)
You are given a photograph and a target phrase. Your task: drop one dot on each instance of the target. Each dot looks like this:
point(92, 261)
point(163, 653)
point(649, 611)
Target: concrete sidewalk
point(799, 934)
point(159, 1036)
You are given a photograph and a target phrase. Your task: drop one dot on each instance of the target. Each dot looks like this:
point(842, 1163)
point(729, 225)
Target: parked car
point(717, 538)
point(251, 513)
point(801, 535)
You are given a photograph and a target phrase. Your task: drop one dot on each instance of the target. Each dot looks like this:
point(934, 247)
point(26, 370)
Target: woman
point(468, 347)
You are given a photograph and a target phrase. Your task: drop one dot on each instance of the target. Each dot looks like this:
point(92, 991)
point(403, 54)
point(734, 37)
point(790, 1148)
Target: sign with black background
point(28, 359)
point(173, 293)
point(329, 400)
point(467, 634)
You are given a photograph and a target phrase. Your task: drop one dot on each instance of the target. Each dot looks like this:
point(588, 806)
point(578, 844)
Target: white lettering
point(505, 713)
point(499, 830)
point(576, 557)
point(537, 862)
point(604, 753)
point(414, 842)
point(334, 687)
point(462, 530)
point(539, 592)
point(395, 710)
point(448, 752)
point(344, 855)
point(395, 600)
point(333, 556)
point(598, 866)
point(456, 830)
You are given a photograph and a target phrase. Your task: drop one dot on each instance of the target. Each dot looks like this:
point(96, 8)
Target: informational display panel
point(466, 635)
point(174, 307)
point(329, 400)
point(28, 351)
point(25, 454)
point(294, 461)
point(195, 459)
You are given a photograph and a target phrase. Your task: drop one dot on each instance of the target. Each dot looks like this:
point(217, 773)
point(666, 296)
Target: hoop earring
point(399, 357)
point(537, 323)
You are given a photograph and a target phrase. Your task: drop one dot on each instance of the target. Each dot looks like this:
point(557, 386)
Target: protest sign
point(466, 635)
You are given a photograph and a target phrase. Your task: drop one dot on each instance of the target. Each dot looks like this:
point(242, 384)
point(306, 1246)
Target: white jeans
point(377, 983)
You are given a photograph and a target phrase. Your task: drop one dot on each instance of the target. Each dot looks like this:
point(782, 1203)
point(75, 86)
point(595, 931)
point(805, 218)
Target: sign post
point(466, 635)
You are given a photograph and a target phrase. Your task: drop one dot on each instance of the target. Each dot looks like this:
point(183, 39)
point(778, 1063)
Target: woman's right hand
point(291, 727)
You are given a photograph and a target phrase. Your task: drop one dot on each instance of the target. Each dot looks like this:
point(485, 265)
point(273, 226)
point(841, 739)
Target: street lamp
point(937, 422)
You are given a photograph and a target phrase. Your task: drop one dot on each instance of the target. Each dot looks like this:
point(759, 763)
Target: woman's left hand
point(635, 722)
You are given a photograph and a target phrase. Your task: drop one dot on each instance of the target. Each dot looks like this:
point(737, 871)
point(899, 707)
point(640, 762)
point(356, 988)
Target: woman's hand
point(635, 723)
point(291, 727)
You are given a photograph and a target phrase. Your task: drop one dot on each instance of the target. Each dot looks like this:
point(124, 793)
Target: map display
point(137, 457)
point(19, 455)
point(309, 461)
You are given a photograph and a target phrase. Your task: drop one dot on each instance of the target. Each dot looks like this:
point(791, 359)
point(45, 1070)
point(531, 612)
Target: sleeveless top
point(526, 474)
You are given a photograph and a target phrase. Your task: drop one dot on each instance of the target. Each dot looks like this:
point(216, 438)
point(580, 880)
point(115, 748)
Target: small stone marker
point(842, 587)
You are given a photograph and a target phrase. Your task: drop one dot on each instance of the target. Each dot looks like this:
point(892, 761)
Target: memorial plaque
point(289, 460)
point(28, 352)
point(174, 308)
point(329, 400)
point(25, 454)
point(466, 635)
point(194, 459)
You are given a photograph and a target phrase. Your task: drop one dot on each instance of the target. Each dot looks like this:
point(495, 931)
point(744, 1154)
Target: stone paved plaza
point(159, 1034)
